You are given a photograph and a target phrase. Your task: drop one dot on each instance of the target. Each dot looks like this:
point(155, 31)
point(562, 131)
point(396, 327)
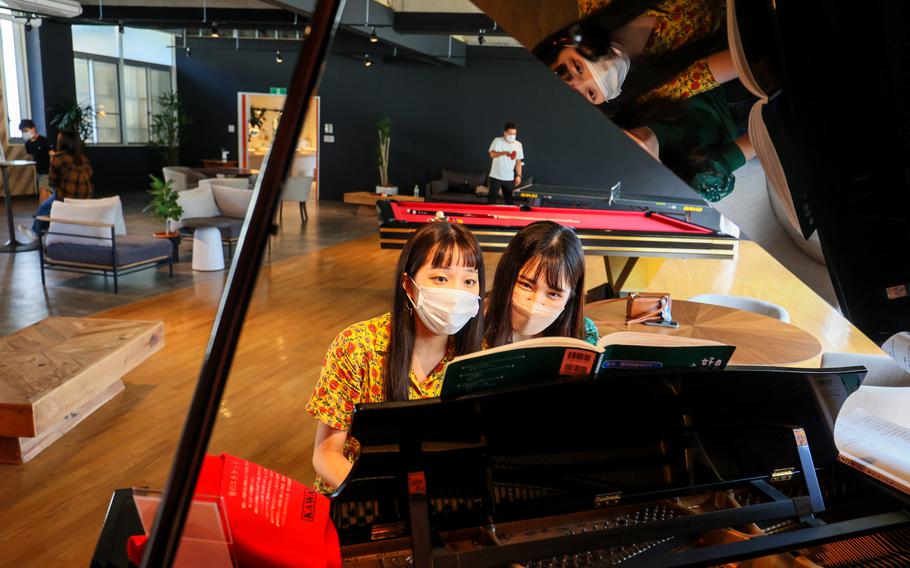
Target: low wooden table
point(759, 340)
point(58, 371)
point(367, 201)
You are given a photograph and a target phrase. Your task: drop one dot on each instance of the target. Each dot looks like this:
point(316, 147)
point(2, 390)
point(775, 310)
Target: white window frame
point(25, 106)
point(121, 96)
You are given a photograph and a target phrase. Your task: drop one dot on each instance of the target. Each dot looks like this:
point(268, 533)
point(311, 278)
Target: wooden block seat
point(58, 371)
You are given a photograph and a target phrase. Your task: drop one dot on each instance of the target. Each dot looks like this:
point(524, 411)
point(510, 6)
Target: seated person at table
point(538, 289)
point(400, 355)
point(70, 176)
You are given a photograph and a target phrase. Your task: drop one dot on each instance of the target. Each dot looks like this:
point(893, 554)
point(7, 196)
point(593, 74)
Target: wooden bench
point(58, 371)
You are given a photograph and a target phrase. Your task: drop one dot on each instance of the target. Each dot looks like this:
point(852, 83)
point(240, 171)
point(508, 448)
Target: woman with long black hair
point(400, 355)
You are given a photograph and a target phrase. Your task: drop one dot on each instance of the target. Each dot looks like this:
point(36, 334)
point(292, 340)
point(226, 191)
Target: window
point(121, 76)
point(15, 79)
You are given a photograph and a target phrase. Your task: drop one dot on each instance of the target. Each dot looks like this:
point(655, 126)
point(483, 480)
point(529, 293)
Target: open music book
point(543, 358)
point(872, 434)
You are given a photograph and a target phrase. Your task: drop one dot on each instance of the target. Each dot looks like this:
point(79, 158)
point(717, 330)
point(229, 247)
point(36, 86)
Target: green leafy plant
point(166, 128)
point(75, 117)
point(384, 130)
point(164, 205)
point(257, 116)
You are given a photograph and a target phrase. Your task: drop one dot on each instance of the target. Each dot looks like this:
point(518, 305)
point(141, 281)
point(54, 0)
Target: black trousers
point(507, 188)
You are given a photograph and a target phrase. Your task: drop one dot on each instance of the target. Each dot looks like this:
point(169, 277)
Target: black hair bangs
point(456, 248)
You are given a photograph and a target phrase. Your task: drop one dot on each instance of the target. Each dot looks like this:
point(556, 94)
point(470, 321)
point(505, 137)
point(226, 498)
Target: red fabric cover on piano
point(275, 521)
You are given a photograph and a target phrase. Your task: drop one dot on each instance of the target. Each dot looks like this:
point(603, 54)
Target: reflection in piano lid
point(639, 470)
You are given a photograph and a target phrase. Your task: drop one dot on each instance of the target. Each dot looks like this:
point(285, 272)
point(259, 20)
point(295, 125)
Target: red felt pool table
point(607, 232)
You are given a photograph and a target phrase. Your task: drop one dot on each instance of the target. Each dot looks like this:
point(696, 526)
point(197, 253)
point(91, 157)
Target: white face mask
point(610, 71)
point(530, 318)
point(510, 138)
point(444, 310)
point(27, 134)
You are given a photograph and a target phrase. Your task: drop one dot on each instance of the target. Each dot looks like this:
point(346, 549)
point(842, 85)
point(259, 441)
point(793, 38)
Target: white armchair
point(296, 189)
point(183, 178)
point(236, 183)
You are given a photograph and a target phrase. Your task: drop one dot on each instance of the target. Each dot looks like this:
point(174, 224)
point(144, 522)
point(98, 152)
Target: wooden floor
point(51, 509)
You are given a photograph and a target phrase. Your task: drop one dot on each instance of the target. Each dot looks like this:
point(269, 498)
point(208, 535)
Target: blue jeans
point(43, 209)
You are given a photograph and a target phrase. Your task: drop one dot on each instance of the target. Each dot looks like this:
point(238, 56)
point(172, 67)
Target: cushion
point(95, 213)
point(198, 202)
point(119, 223)
point(231, 201)
point(130, 249)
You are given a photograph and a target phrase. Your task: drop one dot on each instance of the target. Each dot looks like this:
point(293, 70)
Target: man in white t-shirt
point(505, 171)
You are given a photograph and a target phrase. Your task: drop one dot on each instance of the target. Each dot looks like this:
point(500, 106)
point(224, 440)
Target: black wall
point(442, 117)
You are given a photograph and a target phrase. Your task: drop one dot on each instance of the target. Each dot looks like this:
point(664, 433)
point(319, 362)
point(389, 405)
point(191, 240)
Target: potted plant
point(75, 117)
point(164, 205)
point(166, 128)
point(384, 130)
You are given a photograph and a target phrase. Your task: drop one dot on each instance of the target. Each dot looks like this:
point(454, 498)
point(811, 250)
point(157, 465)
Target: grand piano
point(734, 468)
point(688, 469)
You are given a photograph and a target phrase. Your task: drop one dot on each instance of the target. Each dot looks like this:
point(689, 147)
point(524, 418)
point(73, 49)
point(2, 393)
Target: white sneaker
point(26, 234)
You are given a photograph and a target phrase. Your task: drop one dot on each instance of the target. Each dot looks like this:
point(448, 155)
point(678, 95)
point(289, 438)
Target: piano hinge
point(607, 499)
point(387, 530)
point(782, 474)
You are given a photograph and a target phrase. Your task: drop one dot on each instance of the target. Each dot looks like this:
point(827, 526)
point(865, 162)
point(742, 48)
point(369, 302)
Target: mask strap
point(408, 296)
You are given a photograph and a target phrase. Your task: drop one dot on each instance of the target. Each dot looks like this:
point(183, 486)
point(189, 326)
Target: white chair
point(296, 189)
point(184, 178)
point(883, 370)
point(744, 303)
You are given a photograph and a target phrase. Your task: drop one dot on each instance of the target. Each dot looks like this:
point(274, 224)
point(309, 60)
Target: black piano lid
point(583, 438)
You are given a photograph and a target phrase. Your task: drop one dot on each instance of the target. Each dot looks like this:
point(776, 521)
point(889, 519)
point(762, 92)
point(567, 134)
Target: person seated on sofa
point(506, 154)
point(70, 176)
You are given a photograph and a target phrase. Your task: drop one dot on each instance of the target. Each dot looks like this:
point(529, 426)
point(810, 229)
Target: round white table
point(208, 254)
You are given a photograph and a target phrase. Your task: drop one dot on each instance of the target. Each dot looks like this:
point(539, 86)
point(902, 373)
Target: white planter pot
point(387, 189)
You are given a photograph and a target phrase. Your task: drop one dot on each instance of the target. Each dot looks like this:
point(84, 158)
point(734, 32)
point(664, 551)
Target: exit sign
point(277, 91)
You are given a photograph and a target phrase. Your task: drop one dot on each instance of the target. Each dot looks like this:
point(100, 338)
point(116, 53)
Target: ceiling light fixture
point(188, 52)
point(215, 33)
point(373, 37)
point(480, 38)
point(367, 62)
point(278, 58)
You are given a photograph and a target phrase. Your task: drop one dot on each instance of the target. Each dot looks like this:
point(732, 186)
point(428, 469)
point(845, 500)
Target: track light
point(215, 33)
point(367, 62)
point(278, 58)
point(28, 25)
point(120, 27)
point(373, 37)
point(188, 52)
point(480, 38)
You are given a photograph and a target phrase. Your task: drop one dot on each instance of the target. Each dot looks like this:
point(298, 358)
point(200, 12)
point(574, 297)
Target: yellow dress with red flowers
point(678, 23)
point(353, 372)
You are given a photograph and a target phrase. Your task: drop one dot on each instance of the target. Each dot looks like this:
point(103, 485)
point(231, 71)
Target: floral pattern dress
point(353, 372)
point(678, 23)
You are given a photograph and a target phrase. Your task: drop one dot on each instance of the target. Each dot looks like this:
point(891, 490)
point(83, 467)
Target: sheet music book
point(872, 434)
point(898, 347)
point(543, 358)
